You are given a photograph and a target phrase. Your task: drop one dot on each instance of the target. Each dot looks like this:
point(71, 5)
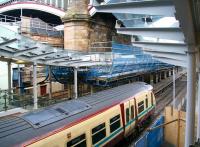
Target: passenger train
point(101, 119)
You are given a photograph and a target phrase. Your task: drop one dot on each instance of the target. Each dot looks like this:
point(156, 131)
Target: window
point(98, 133)
point(79, 141)
point(132, 112)
point(127, 115)
point(146, 102)
point(114, 123)
point(140, 106)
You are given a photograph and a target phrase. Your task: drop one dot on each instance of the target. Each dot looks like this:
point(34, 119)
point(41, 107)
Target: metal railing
point(60, 4)
point(33, 25)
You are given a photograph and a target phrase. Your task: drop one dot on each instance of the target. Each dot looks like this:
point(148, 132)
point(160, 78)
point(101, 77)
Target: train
point(100, 119)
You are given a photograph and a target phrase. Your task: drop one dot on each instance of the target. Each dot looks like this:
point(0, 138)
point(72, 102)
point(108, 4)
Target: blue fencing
point(153, 138)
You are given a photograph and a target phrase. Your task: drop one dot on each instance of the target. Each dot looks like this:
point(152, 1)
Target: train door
point(127, 118)
point(132, 114)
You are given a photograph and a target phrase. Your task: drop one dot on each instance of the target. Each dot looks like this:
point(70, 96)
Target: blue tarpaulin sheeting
point(153, 138)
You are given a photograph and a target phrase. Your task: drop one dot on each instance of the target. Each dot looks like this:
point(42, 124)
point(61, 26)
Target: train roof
point(17, 130)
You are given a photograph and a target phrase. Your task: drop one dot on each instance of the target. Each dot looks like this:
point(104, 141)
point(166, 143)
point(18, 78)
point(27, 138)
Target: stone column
point(76, 26)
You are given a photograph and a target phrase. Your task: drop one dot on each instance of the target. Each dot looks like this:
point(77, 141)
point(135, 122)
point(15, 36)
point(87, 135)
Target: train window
point(132, 112)
point(98, 133)
point(140, 106)
point(114, 123)
point(127, 115)
point(79, 141)
point(146, 101)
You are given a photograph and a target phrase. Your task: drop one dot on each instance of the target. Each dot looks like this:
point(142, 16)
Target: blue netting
point(153, 138)
point(126, 59)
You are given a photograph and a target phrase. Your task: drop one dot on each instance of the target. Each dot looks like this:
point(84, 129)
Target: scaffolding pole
point(190, 106)
point(35, 100)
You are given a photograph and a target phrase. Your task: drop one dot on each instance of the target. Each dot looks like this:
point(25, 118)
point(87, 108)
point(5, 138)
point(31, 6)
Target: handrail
point(60, 4)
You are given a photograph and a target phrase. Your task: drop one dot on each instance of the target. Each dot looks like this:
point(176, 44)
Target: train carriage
point(101, 119)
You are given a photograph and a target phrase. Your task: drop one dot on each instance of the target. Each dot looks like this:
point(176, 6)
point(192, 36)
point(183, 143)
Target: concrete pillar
point(198, 111)
point(35, 85)
point(9, 78)
point(190, 106)
point(75, 83)
point(174, 86)
point(76, 26)
point(50, 83)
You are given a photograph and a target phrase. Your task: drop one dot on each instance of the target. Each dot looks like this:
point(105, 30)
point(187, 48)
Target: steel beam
point(24, 51)
point(161, 33)
point(164, 7)
point(186, 19)
point(179, 48)
point(171, 61)
point(174, 56)
point(41, 56)
point(8, 42)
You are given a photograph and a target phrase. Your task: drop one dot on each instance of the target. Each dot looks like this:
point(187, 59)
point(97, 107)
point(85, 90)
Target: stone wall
point(81, 31)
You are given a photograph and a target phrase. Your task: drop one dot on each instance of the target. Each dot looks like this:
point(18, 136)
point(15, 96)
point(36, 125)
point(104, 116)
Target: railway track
point(164, 97)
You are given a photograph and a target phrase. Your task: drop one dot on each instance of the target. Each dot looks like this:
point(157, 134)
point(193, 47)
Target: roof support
point(42, 55)
point(179, 48)
point(9, 78)
point(171, 61)
point(24, 51)
point(164, 7)
point(161, 33)
point(168, 55)
point(8, 42)
point(35, 99)
point(191, 92)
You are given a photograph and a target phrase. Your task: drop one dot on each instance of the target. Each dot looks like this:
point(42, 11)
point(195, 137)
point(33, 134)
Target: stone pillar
point(76, 26)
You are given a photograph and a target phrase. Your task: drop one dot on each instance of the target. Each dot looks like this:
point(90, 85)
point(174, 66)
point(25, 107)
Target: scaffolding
point(126, 60)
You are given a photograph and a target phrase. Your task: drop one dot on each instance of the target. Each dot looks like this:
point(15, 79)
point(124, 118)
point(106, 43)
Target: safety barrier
point(153, 138)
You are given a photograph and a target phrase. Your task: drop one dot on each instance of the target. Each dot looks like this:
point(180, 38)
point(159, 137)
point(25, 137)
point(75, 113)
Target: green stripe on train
point(116, 132)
